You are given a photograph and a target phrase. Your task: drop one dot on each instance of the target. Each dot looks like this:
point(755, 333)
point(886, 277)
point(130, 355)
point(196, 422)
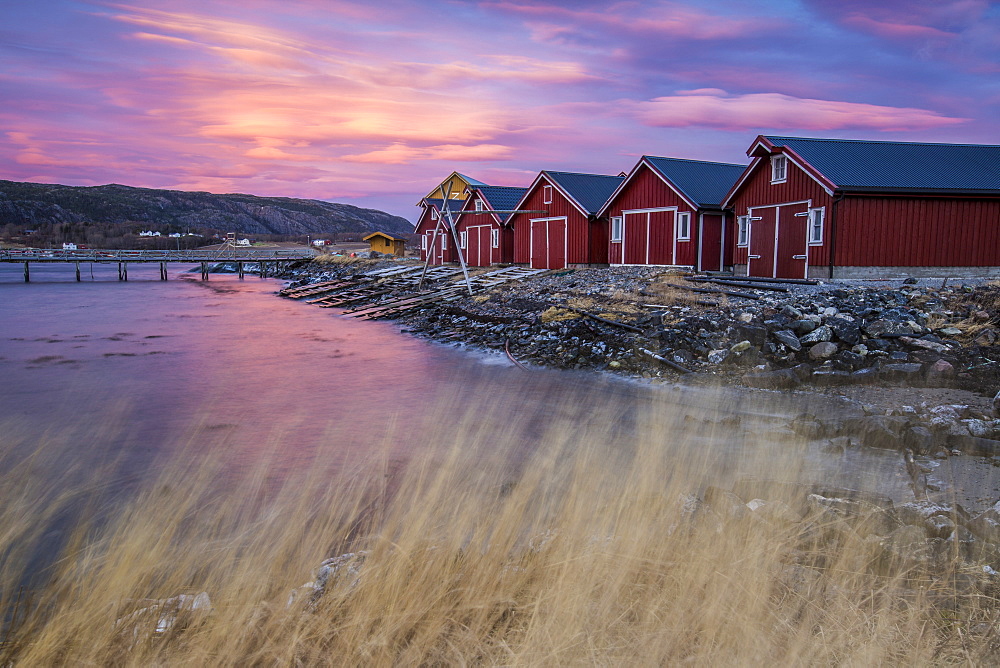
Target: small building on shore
point(558, 223)
point(390, 244)
point(434, 230)
point(484, 235)
point(842, 208)
point(668, 211)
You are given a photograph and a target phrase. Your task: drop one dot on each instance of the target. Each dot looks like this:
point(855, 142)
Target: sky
point(373, 103)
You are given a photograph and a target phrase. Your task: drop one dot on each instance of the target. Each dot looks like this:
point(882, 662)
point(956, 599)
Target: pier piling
point(27, 273)
point(239, 270)
point(163, 271)
point(77, 271)
point(204, 271)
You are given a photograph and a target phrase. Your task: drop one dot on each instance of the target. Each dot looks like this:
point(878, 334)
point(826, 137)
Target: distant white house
point(68, 246)
point(243, 242)
point(175, 235)
point(321, 242)
point(149, 233)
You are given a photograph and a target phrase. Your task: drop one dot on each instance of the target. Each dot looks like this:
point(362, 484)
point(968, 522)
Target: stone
point(820, 334)
point(869, 375)
point(745, 317)
point(972, 445)
point(879, 431)
point(779, 379)
point(860, 349)
point(918, 438)
point(902, 372)
point(803, 327)
point(787, 338)
point(829, 377)
point(791, 312)
point(996, 405)
point(949, 331)
point(755, 334)
point(926, 345)
point(718, 356)
point(940, 370)
point(882, 327)
point(850, 359)
point(740, 347)
point(823, 350)
point(845, 330)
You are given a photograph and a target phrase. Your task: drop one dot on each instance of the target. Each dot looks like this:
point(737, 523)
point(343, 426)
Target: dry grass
point(581, 551)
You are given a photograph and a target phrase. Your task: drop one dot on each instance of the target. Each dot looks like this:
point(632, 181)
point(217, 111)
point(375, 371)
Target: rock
point(791, 312)
point(882, 327)
point(755, 334)
point(779, 379)
point(940, 370)
point(918, 438)
point(987, 525)
point(996, 405)
point(978, 428)
point(787, 337)
point(745, 317)
point(869, 375)
point(896, 372)
point(845, 330)
point(820, 334)
point(823, 350)
point(740, 347)
point(850, 359)
point(803, 327)
point(879, 431)
point(776, 513)
point(926, 345)
point(949, 331)
point(972, 445)
point(718, 356)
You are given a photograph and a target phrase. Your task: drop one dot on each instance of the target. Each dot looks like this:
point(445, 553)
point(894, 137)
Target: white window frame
point(779, 168)
point(479, 205)
point(617, 229)
point(434, 214)
point(816, 221)
point(743, 231)
point(423, 242)
point(463, 239)
point(495, 238)
point(546, 194)
point(682, 225)
point(444, 241)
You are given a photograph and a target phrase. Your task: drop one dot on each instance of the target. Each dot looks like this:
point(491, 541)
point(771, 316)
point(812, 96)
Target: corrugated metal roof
point(704, 183)
point(502, 198)
point(453, 204)
point(590, 191)
point(905, 166)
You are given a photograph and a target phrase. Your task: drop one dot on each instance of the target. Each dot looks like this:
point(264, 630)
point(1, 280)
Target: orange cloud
point(715, 108)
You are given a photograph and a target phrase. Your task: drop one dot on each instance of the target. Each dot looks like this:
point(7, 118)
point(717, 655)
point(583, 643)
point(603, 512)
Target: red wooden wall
point(586, 242)
point(917, 232)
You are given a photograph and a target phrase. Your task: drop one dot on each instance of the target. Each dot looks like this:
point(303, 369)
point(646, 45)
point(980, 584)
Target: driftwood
point(506, 349)
point(741, 284)
point(664, 360)
point(631, 328)
point(756, 279)
point(719, 291)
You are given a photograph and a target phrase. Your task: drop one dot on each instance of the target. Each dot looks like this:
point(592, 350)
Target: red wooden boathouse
point(484, 234)
point(838, 208)
point(434, 231)
point(570, 231)
point(668, 211)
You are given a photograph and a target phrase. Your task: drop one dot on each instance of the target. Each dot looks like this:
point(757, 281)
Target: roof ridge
point(702, 162)
point(878, 141)
point(551, 171)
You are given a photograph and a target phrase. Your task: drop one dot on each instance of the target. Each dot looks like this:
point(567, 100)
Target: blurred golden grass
point(579, 548)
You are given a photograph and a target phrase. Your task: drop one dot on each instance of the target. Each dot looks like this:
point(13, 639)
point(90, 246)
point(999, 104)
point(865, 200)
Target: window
point(683, 225)
point(815, 232)
point(779, 168)
point(617, 228)
point(743, 231)
point(444, 242)
point(463, 239)
point(479, 205)
point(547, 194)
point(495, 238)
point(423, 242)
point(434, 214)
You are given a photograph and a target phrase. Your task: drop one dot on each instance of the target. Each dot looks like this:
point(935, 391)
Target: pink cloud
point(399, 154)
point(896, 30)
point(715, 108)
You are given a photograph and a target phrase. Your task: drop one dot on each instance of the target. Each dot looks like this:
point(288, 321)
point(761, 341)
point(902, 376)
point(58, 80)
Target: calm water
point(128, 372)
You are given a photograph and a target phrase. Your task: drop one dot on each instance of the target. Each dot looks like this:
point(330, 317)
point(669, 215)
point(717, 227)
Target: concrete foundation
point(872, 273)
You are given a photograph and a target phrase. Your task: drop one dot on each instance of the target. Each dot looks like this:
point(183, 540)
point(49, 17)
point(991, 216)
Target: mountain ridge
point(31, 204)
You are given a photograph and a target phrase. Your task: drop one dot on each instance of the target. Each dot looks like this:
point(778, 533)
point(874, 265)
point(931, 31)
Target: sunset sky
point(373, 103)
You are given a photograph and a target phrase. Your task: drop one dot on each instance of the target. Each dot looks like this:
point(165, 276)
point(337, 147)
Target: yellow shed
point(383, 242)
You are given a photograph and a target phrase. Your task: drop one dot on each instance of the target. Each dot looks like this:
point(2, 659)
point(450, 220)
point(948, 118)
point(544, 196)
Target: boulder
point(845, 330)
point(879, 431)
point(823, 350)
point(787, 337)
point(973, 445)
point(820, 334)
point(740, 347)
point(884, 327)
point(902, 371)
point(828, 377)
point(940, 370)
point(779, 379)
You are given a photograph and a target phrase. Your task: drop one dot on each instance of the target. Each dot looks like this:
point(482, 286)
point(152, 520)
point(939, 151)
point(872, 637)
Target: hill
point(31, 205)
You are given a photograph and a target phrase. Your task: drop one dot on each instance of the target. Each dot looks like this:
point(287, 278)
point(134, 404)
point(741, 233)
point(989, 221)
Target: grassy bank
point(583, 544)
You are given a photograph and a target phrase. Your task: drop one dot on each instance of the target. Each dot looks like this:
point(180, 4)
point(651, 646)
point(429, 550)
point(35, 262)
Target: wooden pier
point(387, 293)
point(267, 261)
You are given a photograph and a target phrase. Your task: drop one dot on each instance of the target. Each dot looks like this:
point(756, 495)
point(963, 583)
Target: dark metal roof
point(704, 183)
point(854, 164)
point(590, 191)
point(502, 198)
point(453, 204)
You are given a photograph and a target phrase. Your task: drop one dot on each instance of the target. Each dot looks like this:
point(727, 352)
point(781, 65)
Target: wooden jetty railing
point(266, 259)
